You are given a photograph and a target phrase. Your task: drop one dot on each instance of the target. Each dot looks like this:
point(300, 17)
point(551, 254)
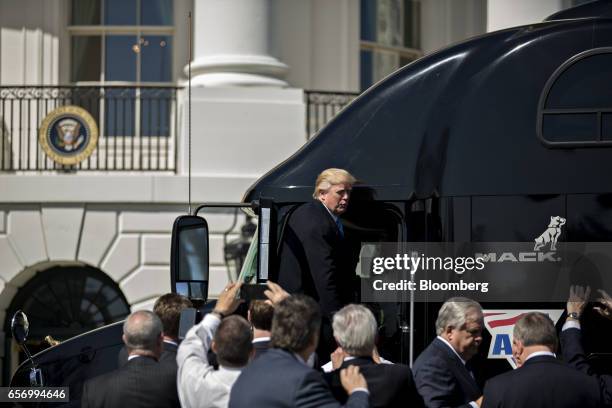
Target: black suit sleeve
point(491, 396)
point(318, 242)
point(314, 393)
point(436, 385)
point(409, 391)
point(573, 354)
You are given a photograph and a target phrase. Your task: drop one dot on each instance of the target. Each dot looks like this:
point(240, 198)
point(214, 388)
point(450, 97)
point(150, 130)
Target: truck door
point(370, 221)
point(378, 222)
point(423, 224)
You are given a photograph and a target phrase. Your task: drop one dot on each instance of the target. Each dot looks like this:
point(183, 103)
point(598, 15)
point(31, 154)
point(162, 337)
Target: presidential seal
point(68, 135)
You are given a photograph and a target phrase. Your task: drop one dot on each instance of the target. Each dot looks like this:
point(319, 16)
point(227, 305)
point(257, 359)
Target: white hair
point(355, 330)
point(454, 313)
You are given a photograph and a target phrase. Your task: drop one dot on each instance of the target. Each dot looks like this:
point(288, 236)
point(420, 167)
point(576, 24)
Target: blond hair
point(330, 177)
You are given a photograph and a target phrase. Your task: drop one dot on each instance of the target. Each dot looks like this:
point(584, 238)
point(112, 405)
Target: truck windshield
point(248, 272)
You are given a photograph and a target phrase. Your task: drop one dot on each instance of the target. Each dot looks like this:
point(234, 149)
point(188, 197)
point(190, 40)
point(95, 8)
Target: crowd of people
point(270, 359)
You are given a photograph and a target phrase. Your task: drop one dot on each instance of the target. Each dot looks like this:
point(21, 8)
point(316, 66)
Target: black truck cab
point(481, 141)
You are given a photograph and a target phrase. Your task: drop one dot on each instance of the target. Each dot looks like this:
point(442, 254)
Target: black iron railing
point(322, 106)
point(137, 127)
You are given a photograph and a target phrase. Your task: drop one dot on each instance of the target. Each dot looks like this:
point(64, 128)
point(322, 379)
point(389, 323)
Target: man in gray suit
point(283, 377)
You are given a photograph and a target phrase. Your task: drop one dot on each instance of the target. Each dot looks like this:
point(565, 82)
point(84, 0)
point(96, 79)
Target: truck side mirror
point(20, 327)
point(189, 258)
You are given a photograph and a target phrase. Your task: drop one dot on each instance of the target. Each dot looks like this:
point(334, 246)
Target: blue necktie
point(340, 227)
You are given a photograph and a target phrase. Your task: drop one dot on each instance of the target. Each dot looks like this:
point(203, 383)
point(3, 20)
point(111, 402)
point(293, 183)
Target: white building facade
point(97, 234)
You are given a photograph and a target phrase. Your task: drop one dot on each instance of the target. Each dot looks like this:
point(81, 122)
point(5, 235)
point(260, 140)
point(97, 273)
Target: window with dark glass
point(120, 64)
point(390, 37)
point(86, 12)
point(121, 12)
point(576, 103)
point(156, 13)
point(86, 58)
point(124, 44)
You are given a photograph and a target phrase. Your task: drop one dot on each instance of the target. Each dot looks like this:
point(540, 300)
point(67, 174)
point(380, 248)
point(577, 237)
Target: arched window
point(575, 107)
point(64, 301)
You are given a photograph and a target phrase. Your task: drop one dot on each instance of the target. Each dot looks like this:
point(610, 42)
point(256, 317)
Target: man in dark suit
point(142, 381)
point(281, 376)
point(315, 258)
point(440, 371)
point(571, 336)
point(168, 308)
point(541, 380)
point(260, 316)
point(390, 385)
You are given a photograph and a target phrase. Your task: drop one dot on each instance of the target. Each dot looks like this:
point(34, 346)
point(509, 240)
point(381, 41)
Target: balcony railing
point(137, 127)
point(322, 106)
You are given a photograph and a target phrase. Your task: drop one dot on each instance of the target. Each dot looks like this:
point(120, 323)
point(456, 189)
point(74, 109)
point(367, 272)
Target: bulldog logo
point(551, 234)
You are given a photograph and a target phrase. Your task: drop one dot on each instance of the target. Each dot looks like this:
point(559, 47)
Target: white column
point(233, 44)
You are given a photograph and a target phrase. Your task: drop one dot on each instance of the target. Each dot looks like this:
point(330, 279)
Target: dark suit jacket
point(315, 260)
point(390, 385)
point(277, 379)
point(573, 354)
point(261, 347)
point(141, 382)
point(442, 379)
point(543, 381)
point(167, 358)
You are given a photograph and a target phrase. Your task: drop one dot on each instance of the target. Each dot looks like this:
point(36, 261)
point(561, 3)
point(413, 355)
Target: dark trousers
point(327, 343)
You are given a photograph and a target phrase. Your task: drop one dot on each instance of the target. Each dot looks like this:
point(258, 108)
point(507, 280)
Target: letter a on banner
point(500, 324)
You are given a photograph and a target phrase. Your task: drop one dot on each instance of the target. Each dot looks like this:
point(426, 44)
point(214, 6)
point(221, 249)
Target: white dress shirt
point(443, 340)
point(570, 324)
point(199, 385)
point(540, 353)
point(329, 366)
